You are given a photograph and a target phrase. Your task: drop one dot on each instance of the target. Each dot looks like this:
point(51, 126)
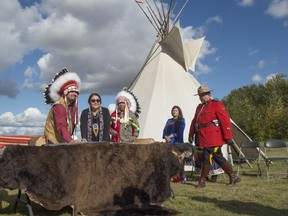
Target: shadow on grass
point(243, 208)
point(126, 205)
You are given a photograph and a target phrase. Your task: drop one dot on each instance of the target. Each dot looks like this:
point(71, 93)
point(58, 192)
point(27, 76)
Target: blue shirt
point(171, 129)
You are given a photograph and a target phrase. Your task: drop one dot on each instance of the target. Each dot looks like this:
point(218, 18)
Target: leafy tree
point(274, 113)
point(261, 110)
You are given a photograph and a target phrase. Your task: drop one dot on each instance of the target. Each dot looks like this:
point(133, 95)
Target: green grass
point(252, 196)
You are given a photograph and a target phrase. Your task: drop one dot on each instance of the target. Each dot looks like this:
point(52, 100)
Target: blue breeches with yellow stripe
point(214, 153)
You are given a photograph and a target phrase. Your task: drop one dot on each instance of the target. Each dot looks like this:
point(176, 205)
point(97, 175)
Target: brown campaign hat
point(203, 89)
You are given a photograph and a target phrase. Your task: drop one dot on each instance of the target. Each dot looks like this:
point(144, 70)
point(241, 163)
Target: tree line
point(261, 110)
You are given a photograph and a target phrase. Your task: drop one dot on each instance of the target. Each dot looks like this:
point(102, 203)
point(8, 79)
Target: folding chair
point(275, 151)
point(252, 156)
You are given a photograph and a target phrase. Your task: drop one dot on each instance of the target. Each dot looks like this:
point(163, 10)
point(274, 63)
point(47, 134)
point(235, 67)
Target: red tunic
point(60, 116)
point(209, 134)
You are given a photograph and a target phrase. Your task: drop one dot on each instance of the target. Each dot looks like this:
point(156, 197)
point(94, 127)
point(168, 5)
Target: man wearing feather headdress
point(62, 94)
point(124, 125)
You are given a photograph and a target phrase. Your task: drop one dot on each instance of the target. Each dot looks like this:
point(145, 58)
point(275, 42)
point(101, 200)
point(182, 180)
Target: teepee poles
point(160, 20)
point(138, 3)
point(154, 17)
point(175, 20)
point(160, 15)
point(164, 19)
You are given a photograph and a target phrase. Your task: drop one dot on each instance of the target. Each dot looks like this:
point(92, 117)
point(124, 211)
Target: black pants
point(213, 153)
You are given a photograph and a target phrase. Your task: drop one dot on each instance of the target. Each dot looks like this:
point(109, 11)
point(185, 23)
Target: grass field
point(252, 196)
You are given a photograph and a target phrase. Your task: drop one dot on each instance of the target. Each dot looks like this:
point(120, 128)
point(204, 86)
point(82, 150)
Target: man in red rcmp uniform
point(212, 128)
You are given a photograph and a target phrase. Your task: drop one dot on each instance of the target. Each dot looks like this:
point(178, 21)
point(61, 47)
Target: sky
point(106, 42)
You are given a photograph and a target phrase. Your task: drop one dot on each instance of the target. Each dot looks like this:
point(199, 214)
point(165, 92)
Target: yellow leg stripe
point(211, 154)
point(210, 158)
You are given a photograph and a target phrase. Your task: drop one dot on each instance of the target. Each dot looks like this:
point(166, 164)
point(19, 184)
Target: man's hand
point(76, 141)
point(230, 142)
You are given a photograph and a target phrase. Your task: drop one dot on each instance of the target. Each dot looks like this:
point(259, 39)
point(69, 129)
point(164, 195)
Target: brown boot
point(227, 167)
point(204, 174)
point(201, 183)
point(234, 179)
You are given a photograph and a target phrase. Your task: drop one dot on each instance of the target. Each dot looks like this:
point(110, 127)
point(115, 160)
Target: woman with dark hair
point(95, 120)
point(174, 128)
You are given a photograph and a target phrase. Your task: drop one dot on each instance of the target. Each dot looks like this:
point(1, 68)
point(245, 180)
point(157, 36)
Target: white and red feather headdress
point(64, 82)
point(130, 99)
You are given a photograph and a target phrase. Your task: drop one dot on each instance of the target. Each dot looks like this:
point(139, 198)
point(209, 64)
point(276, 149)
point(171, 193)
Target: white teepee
point(164, 81)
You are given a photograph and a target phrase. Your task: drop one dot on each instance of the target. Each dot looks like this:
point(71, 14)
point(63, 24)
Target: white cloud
point(13, 21)
point(190, 33)
point(93, 39)
point(42, 62)
point(216, 19)
point(252, 51)
point(29, 72)
point(270, 76)
point(278, 9)
point(217, 58)
point(28, 84)
point(206, 49)
point(31, 117)
point(30, 122)
point(261, 64)
point(105, 42)
point(245, 3)
point(202, 69)
point(264, 63)
point(257, 78)
point(27, 131)
point(7, 119)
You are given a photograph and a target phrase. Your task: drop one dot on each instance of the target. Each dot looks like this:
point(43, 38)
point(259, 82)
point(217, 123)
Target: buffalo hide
point(90, 176)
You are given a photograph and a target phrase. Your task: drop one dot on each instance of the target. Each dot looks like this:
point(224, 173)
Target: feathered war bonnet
point(130, 100)
point(63, 83)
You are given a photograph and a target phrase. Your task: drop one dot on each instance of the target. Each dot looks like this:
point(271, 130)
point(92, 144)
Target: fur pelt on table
point(91, 177)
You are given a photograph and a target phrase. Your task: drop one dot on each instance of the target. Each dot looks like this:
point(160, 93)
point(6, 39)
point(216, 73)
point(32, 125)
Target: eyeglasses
point(95, 100)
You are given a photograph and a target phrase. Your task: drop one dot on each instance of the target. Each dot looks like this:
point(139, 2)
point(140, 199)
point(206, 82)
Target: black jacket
point(84, 122)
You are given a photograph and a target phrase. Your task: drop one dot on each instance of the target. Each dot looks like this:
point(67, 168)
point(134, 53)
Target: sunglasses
point(95, 100)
